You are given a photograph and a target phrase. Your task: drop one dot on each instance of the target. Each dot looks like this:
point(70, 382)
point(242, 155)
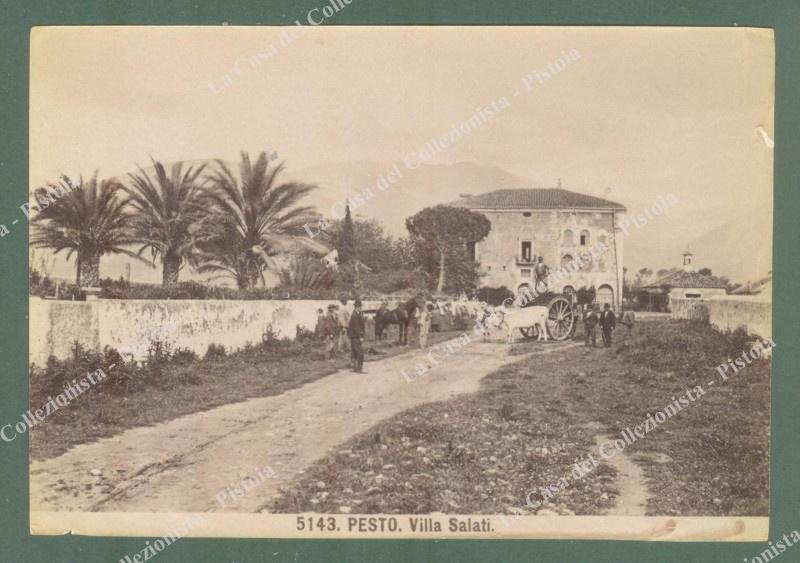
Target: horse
point(402, 315)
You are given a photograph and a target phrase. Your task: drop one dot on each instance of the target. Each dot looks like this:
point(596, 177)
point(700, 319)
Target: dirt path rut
point(182, 464)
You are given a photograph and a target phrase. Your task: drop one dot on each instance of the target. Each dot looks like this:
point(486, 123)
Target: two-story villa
point(563, 227)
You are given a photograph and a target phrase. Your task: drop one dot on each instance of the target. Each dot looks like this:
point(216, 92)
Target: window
point(584, 238)
point(526, 250)
point(568, 239)
point(471, 251)
point(693, 295)
point(566, 260)
point(526, 214)
point(525, 273)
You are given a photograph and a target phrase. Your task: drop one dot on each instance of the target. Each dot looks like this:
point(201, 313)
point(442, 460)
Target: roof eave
point(571, 208)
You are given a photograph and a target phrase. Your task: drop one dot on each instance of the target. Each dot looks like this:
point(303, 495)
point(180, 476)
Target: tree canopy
point(345, 242)
point(441, 236)
point(165, 212)
point(87, 220)
point(252, 219)
point(373, 246)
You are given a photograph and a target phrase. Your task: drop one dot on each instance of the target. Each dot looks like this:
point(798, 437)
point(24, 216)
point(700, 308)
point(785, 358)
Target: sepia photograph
point(333, 281)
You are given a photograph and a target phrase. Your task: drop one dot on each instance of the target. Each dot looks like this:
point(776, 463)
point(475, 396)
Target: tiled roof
point(754, 288)
point(536, 198)
point(682, 278)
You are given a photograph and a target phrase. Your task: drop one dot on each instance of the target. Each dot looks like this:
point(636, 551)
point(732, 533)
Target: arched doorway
point(605, 294)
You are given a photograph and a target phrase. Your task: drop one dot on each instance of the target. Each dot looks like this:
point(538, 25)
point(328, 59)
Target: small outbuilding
point(685, 283)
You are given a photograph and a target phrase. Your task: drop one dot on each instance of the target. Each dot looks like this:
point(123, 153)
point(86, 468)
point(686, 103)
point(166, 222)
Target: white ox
point(527, 317)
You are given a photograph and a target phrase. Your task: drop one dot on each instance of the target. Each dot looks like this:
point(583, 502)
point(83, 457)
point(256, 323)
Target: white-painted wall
point(130, 326)
point(728, 312)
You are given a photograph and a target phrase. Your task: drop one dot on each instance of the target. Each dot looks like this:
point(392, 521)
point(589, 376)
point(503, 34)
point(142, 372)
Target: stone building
point(576, 234)
point(686, 283)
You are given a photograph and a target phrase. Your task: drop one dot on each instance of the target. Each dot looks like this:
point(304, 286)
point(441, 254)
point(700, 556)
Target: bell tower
point(687, 261)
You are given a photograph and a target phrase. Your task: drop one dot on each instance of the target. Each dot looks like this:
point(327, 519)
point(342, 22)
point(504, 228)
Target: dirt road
point(183, 464)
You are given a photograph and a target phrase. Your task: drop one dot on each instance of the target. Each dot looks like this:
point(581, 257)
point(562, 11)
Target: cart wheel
point(560, 319)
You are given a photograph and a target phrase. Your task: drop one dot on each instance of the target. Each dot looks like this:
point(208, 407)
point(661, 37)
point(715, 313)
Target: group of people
point(592, 316)
point(340, 329)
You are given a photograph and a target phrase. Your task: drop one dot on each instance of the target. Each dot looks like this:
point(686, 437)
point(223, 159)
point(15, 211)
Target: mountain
point(429, 184)
point(740, 249)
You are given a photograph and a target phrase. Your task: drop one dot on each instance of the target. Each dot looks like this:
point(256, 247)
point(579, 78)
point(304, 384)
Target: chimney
point(687, 262)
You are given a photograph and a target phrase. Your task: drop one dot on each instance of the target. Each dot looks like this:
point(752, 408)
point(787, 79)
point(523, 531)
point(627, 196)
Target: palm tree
point(88, 221)
point(167, 211)
point(252, 219)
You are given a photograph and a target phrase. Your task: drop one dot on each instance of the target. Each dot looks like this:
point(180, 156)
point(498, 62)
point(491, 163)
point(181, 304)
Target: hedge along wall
point(131, 326)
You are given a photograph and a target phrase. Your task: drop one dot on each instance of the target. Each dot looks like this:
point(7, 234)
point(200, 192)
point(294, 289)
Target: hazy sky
point(641, 113)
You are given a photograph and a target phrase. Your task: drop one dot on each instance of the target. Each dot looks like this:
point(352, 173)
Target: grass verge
point(532, 419)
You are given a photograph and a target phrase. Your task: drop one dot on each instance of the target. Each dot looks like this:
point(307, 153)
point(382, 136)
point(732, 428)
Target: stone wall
point(753, 312)
point(728, 312)
point(692, 309)
point(131, 326)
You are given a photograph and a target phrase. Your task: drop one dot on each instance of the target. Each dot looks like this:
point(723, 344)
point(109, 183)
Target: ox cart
point(560, 316)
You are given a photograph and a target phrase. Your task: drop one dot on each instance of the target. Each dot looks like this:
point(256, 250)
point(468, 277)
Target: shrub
point(269, 338)
point(184, 356)
point(585, 295)
point(693, 347)
point(307, 273)
point(57, 375)
point(159, 352)
point(494, 295)
point(304, 334)
point(182, 290)
point(215, 351)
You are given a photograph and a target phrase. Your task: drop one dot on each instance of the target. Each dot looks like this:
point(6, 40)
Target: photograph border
point(16, 543)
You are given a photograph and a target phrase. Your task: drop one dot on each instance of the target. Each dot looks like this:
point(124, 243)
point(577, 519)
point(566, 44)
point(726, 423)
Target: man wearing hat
point(607, 324)
point(355, 331)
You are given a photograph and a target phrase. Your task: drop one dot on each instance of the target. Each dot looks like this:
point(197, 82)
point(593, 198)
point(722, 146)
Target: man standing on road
point(356, 330)
point(344, 322)
point(329, 331)
point(607, 324)
point(628, 319)
point(424, 320)
point(589, 325)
